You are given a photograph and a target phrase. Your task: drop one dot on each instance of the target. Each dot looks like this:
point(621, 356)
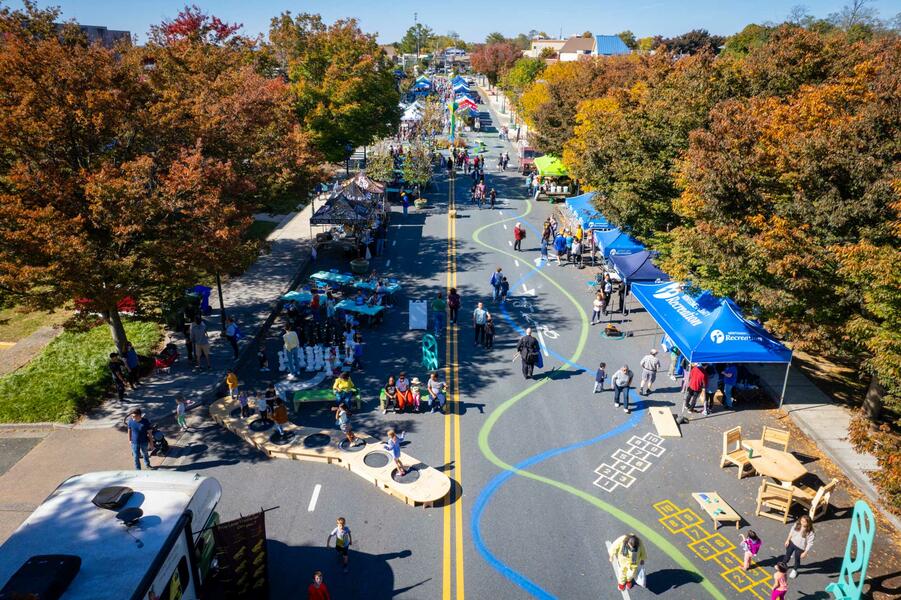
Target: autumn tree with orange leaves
point(131, 172)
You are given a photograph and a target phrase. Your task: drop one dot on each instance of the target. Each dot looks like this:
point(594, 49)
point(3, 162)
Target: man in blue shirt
point(560, 247)
point(139, 434)
point(730, 378)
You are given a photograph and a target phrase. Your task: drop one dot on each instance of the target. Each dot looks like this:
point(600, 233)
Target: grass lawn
point(260, 230)
point(17, 323)
point(69, 376)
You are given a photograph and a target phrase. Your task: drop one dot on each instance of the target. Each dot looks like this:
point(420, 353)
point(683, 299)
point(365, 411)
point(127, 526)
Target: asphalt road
point(532, 507)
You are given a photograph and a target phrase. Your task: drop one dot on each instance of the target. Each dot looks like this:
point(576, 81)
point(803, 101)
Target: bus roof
point(114, 559)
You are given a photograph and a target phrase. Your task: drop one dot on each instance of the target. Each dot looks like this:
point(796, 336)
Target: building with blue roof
point(609, 45)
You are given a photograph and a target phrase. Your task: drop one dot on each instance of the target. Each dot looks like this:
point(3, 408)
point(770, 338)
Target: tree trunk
point(114, 321)
point(872, 402)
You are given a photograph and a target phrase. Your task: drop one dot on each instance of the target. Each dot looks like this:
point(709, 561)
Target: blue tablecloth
point(365, 309)
point(333, 277)
point(305, 297)
point(369, 286)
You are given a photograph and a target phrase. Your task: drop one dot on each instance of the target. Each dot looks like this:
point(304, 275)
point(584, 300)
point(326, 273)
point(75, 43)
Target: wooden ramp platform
point(665, 422)
point(371, 462)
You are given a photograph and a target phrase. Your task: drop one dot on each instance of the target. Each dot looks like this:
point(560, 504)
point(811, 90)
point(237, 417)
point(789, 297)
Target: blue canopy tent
point(637, 267)
point(708, 329)
point(582, 209)
point(615, 241)
point(457, 79)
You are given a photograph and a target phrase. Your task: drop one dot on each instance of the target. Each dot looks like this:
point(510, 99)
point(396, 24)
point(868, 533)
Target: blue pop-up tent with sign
point(582, 209)
point(614, 241)
point(637, 267)
point(708, 329)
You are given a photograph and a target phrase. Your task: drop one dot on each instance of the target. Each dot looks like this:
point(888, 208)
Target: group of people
point(478, 194)
point(401, 394)
point(503, 160)
point(702, 382)
point(124, 370)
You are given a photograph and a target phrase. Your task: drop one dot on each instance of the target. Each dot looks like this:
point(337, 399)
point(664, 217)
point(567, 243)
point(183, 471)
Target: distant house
point(97, 33)
point(576, 48)
point(538, 46)
point(390, 52)
point(609, 45)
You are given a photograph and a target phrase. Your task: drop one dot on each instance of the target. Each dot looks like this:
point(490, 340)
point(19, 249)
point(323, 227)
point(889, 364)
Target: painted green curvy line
point(485, 432)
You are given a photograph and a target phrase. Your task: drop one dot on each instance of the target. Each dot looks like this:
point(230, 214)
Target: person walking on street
point(492, 196)
point(543, 249)
point(650, 364)
point(505, 289)
point(292, 347)
point(528, 350)
point(181, 408)
point(479, 319)
point(342, 420)
point(201, 341)
point(519, 233)
point(489, 333)
point(453, 305)
point(577, 253)
point(560, 248)
point(131, 364)
point(405, 200)
point(139, 436)
point(117, 371)
point(232, 334)
point(621, 381)
point(439, 310)
point(343, 540)
point(318, 589)
point(495, 283)
point(697, 385)
point(597, 308)
point(599, 378)
point(798, 543)
point(627, 554)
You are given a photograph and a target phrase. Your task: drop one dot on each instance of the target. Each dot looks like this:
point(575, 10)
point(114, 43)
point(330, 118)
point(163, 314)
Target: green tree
point(380, 163)
point(522, 41)
point(417, 37)
point(495, 37)
point(628, 39)
point(344, 88)
point(751, 37)
point(522, 74)
point(646, 44)
point(418, 166)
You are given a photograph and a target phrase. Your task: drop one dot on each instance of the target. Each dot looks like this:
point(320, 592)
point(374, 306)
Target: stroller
point(165, 359)
point(160, 445)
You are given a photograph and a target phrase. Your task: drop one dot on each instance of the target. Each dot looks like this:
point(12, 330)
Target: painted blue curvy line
point(494, 485)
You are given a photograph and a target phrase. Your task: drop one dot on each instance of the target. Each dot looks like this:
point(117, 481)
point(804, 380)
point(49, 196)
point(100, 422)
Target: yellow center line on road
point(453, 586)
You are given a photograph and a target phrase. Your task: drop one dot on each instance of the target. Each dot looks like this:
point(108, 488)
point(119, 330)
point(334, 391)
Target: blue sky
point(391, 18)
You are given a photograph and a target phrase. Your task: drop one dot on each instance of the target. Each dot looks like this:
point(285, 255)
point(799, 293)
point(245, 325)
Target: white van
point(73, 550)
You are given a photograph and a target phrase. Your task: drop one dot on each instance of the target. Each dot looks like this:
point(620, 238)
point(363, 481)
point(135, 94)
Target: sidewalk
point(97, 442)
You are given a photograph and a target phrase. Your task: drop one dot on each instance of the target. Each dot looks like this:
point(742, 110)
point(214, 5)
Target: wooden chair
point(734, 453)
point(774, 496)
point(779, 437)
point(816, 501)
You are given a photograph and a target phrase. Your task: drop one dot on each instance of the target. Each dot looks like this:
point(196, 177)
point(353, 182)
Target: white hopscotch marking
point(627, 463)
point(315, 497)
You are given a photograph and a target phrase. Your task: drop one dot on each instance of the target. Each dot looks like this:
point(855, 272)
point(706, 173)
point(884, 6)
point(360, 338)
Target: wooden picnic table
point(717, 508)
point(769, 462)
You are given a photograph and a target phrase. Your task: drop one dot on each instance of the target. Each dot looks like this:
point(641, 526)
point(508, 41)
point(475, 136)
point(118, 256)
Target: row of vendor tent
point(706, 328)
point(422, 85)
point(355, 202)
point(412, 112)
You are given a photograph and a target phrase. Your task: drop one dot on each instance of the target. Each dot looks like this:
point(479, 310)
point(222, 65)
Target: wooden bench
point(717, 508)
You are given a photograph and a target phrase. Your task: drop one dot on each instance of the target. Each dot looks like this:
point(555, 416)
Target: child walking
point(751, 545)
point(393, 446)
point(343, 540)
point(489, 332)
point(599, 378)
point(231, 380)
point(780, 582)
point(245, 406)
point(342, 418)
point(180, 408)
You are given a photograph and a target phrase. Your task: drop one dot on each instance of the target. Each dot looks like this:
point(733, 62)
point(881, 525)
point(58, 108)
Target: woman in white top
point(798, 543)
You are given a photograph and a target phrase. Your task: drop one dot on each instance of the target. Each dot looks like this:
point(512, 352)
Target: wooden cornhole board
point(664, 422)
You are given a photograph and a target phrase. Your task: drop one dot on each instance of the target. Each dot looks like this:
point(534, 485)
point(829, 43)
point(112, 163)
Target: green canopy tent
point(550, 166)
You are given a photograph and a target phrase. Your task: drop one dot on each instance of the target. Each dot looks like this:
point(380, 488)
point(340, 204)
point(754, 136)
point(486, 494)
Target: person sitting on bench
point(344, 388)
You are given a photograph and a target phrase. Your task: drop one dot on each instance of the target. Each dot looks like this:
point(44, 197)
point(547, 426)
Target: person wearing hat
point(650, 364)
point(415, 387)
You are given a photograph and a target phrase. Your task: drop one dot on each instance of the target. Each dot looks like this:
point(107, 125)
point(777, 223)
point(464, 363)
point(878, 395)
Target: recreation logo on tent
point(669, 291)
point(673, 296)
point(718, 337)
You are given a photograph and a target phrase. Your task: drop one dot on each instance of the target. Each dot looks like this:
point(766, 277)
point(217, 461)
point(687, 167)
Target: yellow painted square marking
point(695, 533)
point(674, 523)
point(666, 507)
point(720, 543)
point(728, 561)
point(690, 517)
